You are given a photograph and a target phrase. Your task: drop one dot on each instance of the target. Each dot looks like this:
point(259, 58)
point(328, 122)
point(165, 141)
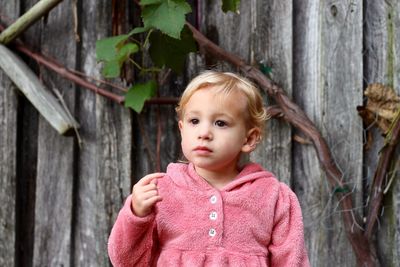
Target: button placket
point(213, 215)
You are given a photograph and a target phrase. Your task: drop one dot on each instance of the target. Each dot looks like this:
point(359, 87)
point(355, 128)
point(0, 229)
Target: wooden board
point(55, 165)
point(8, 156)
point(28, 83)
point(28, 118)
point(8, 162)
point(328, 85)
point(156, 118)
point(271, 44)
point(104, 161)
point(382, 65)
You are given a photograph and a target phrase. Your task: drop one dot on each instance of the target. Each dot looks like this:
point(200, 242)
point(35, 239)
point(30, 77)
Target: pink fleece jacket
point(253, 221)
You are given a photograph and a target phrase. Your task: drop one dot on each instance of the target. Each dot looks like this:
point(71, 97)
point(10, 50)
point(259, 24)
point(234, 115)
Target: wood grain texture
point(382, 65)
point(229, 30)
point(328, 75)
point(30, 85)
point(104, 161)
point(55, 166)
point(8, 156)
point(271, 44)
point(27, 155)
point(147, 126)
point(8, 151)
point(342, 87)
point(30, 17)
point(310, 184)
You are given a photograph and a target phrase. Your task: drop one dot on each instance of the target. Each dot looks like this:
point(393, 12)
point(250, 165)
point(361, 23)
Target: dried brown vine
point(381, 173)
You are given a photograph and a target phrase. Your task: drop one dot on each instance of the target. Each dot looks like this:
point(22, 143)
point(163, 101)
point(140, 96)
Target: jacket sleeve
point(131, 239)
point(287, 246)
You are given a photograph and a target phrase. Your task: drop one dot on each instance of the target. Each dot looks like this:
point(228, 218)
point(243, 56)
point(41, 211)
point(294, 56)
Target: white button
point(213, 215)
point(212, 232)
point(213, 199)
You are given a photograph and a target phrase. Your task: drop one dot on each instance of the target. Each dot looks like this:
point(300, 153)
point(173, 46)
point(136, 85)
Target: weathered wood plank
point(328, 75)
point(8, 152)
point(104, 161)
point(30, 17)
point(163, 119)
point(230, 30)
point(55, 166)
point(342, 86)
point(8, 156)
point(382, 65)
point(30, 85)
point(309, 181)
point(28, 118)
point(146, 130)
point(271, 44)
point(26, 181)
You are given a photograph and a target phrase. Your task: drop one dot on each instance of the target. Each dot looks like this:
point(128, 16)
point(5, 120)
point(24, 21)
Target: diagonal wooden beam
point(31, 87)
point(30, 17)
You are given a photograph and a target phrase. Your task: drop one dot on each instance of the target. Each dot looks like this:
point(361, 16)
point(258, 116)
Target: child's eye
point(220, 123)
point(194, 121)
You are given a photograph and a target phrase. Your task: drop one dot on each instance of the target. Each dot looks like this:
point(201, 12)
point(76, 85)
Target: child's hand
point(145, 194)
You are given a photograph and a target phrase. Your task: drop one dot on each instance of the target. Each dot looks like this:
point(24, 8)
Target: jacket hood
point(184, 175)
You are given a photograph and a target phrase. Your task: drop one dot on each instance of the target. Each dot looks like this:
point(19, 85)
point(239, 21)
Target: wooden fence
point(59, 199)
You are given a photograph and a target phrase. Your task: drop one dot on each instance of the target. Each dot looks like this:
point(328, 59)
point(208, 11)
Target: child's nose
point(205, 132)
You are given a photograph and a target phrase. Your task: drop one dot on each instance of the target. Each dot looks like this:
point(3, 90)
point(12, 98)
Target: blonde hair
point(225, 83)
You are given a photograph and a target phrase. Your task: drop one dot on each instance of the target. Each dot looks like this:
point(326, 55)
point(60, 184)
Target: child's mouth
point(202, 150)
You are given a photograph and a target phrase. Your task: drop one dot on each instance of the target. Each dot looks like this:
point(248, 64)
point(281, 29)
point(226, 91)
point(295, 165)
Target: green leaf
point(138, 94)
point(230, 5)
point(138, 30)
point(113, 52)
point(127, 50)
point(106, 49)
point(111, 69)
point(166, 15)
point(150, 2)
point(170, 52)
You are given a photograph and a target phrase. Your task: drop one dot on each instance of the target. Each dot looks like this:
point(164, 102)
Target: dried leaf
point(381, 107)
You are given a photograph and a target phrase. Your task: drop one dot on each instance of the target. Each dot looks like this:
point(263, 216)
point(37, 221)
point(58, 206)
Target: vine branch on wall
point(381, 174)
point(75, 77)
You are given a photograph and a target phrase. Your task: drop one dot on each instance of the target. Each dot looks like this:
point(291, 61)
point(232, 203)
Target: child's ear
point(253, 138)
point(180, 124)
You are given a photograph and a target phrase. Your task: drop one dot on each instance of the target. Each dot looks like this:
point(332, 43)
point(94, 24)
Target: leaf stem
point(146, 41)
point(136, 64)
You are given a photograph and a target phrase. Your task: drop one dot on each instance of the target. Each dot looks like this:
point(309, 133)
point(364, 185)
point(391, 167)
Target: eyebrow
point(195, 113)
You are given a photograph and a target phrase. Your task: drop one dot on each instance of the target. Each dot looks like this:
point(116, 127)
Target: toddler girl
point(211, 211)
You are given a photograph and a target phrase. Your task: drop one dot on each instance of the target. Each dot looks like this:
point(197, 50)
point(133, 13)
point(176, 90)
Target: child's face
point(213, 130)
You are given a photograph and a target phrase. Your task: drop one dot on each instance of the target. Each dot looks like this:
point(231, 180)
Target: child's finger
point(148, 187)
point(152, 201)
point(149, 194)
point(150, 177)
